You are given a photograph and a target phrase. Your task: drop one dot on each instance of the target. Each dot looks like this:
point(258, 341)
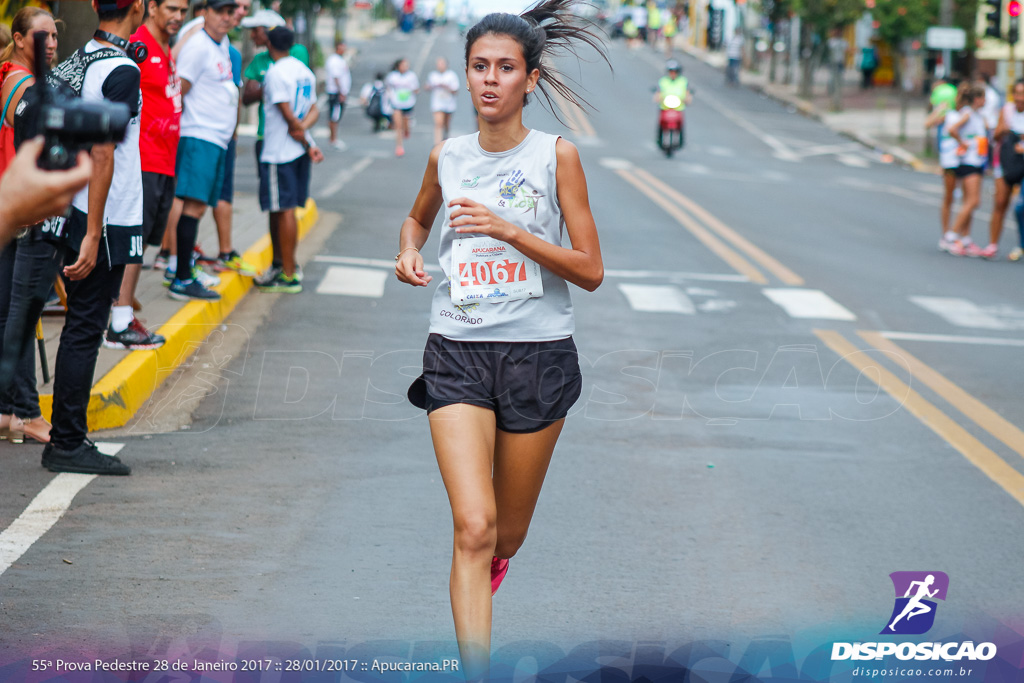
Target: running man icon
point(916, 588)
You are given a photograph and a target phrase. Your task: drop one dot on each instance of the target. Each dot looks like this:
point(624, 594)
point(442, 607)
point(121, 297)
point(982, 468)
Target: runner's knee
point(476, 532)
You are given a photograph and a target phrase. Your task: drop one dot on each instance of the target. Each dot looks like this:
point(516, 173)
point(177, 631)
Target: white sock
point(965, 240)
point(951, 236)
point(172, 263)
point(121, 317)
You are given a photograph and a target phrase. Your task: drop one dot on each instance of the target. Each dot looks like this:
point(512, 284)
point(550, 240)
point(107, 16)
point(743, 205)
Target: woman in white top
point(500, 368)
point(971, 136)
point(944, 117)
point(442, 83)
point(402, 86)
point(1011, 122)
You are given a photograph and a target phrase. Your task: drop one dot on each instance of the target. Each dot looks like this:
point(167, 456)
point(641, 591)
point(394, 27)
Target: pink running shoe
point(973, 250)
point(498, 570)
point(990, 251)
point(958, 249)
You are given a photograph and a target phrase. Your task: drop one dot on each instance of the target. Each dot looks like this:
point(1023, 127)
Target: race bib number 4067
point(488, 270)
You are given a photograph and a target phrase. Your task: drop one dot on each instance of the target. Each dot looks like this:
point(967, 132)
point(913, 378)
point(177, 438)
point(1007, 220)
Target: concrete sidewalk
point(870, 116)
point(124, 380)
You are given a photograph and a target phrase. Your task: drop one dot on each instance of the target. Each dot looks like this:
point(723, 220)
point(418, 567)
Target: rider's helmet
point(672, 65)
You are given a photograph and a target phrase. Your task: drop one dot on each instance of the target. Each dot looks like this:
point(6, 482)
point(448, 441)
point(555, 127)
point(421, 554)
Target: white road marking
point(657, 299)
point(809, 303)
point(961, 312)
point(853, 160)
point(716, 151)
point(108, 447)
point(344, 177)
point(952, 339)
point(370, 262)
point(346, 281)
point(41, 514)
point(782, 151)
point(616, 164)
point(676, 275)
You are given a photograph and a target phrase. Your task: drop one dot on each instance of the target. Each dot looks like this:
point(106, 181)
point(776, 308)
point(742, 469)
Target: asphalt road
point(750, 460)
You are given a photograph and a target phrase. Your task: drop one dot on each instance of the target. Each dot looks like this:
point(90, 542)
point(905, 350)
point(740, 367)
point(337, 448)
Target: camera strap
point(136, 50)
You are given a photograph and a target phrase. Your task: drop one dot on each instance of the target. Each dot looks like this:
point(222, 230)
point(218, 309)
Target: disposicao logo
point(914, 614)
point(916, 592)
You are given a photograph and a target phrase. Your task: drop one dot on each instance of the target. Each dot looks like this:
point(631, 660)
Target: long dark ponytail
point(544, 32)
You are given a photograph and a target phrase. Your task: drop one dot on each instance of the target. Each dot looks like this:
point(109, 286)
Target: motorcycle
point(671, 125)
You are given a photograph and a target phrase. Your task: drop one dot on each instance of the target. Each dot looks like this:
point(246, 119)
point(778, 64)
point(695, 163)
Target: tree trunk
point(806, 62)
point(774, 59)
point(898, 76)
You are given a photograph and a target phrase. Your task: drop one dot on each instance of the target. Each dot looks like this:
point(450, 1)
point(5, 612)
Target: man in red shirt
point(158, 145)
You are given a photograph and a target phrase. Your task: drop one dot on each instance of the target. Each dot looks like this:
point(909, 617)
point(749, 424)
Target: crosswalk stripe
point(41, 514)
point(809, 303)
point(348, 281)
point(960, 312)
point(657, 299)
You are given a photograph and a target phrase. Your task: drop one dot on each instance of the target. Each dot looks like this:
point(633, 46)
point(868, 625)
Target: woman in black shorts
point(500, 370)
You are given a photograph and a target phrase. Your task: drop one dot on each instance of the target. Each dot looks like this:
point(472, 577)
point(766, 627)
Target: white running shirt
point(287, 80)
point(443, 87)
point(211, 105)
point(402, 89)
point(339, 78)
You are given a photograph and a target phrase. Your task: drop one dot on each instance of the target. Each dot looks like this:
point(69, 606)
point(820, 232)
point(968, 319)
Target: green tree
point(900, 21)
point(818, 18)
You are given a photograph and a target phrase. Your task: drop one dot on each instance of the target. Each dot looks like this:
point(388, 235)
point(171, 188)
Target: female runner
point(500, 369)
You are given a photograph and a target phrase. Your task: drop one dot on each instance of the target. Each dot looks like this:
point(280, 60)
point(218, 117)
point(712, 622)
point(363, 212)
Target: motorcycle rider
point(673, 84)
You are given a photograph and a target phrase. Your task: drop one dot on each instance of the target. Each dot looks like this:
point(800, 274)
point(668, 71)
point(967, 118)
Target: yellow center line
point(577, 119)
point(979, 455)
point(717, 246)
point(755, 252)
point(986, 418)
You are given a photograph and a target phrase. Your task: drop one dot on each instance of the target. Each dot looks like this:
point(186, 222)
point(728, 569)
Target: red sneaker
point(499, 568)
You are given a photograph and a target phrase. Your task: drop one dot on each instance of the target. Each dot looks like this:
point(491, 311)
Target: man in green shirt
point(260, 23)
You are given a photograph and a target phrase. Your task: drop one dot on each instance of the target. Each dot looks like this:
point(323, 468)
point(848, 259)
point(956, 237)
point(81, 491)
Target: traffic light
point(993, 18)
point(1012, 31)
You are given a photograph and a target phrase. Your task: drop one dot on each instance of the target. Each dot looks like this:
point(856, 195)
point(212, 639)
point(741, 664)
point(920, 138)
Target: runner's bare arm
point(186, 85)
point(252, 92)
point(582, 264)
point(416, 227)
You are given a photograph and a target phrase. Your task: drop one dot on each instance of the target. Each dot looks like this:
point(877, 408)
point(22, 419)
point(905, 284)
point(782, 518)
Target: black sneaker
point(86, 459)
point(135, 336)
point(183, 291)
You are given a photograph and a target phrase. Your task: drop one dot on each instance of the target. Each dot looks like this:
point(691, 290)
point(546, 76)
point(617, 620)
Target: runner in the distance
point(500, 367)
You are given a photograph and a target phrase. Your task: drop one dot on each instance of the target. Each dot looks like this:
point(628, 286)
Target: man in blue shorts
point(289, 103)
point(210, 112)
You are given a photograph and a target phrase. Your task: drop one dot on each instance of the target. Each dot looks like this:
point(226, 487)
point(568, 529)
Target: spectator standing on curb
point(210, 101)
point(158, 147)
point(943, 117)
point(27, 261)
point(734, 51)
point(868, 64)
point(443, 84)
point(289, 99)
point(102, 233)
point(339, 83)
point(1008, 134)
point(260, 23)
point(402, 86)
point(227, 259)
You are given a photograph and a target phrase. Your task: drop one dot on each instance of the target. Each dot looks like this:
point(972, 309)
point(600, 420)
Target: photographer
point(103, 233)
point(28, 260)
point(29, 194)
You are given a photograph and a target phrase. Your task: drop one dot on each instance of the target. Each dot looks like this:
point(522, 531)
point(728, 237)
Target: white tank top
point(1013, 118)
point(519, 186)
point(971, 133)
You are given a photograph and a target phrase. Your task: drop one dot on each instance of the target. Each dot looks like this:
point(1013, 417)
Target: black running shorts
point(528, 385)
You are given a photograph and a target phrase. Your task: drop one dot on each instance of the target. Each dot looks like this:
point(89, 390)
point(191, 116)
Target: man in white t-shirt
point(289, 104)
point(210, 112)
point(103, 233)
point(339, 83)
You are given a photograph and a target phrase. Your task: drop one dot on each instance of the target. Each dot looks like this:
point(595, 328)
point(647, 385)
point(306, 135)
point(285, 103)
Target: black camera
point(66, 122)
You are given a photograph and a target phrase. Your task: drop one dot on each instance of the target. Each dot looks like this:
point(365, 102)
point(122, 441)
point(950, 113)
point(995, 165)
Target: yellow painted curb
point(119, 394)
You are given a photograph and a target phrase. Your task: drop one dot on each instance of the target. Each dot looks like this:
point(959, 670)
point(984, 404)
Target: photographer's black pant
point(89, 302)
point(24, 264)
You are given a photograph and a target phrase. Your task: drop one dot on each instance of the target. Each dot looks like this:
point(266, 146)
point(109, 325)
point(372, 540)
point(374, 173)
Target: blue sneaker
point(192, 289)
